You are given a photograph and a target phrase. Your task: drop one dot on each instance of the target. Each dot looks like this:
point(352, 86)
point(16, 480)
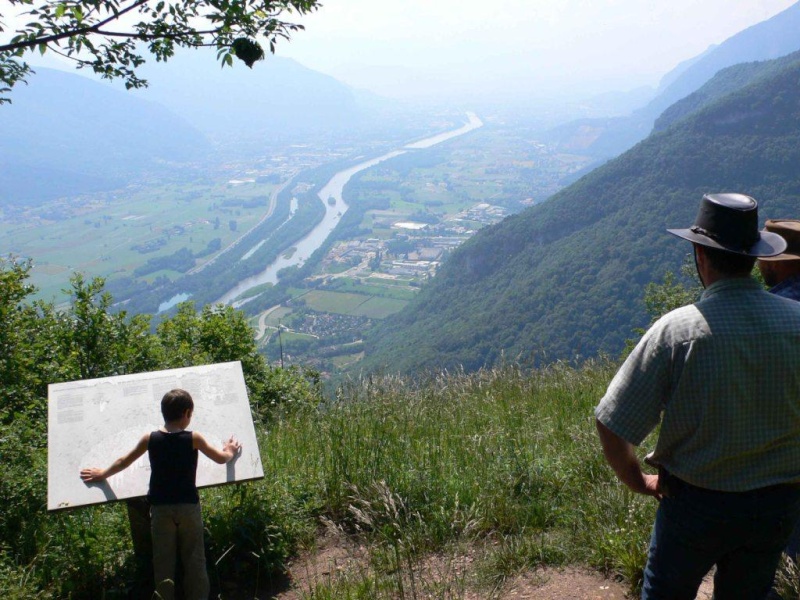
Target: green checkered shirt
point(722, 376)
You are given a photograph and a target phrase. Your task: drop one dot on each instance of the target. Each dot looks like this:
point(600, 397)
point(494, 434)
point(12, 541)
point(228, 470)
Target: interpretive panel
point(91, 423)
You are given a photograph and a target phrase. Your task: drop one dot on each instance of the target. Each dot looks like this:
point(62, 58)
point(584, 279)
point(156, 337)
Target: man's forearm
point(622, 458)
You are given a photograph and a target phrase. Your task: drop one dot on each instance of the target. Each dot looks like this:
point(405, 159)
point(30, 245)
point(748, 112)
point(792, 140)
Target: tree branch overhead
point(103, 36)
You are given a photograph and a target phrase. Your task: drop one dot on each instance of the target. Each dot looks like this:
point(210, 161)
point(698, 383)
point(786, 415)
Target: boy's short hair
point(175, 403)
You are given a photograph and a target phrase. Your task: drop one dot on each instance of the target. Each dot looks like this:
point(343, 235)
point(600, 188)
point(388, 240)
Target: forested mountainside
point(728, 80)
point(566, 278)
point(606, 138)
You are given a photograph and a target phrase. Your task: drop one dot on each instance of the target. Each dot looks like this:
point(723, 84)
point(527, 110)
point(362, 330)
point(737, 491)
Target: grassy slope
point(499, 460)
point(498, 455)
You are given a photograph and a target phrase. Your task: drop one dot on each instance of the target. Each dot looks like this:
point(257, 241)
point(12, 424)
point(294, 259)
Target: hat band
point(736, 247)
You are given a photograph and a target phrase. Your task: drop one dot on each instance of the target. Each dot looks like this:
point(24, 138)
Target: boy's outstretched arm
point(229, 448)
point(94, 474)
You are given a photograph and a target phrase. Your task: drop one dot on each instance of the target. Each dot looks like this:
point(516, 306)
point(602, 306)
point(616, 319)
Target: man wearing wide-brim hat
point(722, 378)
point(782, 272)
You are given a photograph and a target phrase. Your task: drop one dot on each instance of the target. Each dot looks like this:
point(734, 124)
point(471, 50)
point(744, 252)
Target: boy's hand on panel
point(232, 445)
point(92, 475)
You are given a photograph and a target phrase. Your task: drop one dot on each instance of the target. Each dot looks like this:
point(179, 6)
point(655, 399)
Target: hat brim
point(769, 244)
point(781, 257)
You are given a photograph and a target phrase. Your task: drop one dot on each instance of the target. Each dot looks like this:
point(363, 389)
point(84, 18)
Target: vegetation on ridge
point(501, 465)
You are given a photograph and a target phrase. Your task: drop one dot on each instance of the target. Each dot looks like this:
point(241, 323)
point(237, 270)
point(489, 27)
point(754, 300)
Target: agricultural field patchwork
point(110, 235)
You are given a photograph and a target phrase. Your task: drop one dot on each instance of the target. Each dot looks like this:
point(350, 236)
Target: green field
point(288, 336)
point(278, 315)
point(382, 281)
point(379, 308)
point(98, 235)
point(334, 302)
point(344, 360)
point(358, 305)
point(399, 290)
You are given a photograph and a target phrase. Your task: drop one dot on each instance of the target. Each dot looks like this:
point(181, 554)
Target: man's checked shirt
point(722, 376)
point(788, 288)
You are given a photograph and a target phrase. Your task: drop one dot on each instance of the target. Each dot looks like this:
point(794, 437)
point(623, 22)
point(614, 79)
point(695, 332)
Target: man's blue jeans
point(743, 534)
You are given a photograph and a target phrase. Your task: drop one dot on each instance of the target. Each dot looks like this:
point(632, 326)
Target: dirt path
point(335, 556)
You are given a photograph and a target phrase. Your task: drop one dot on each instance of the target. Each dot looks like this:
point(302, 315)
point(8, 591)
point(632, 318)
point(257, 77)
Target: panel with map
point(93, 422)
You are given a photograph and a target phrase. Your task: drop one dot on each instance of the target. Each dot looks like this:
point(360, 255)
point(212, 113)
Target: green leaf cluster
point(41, 343)
point(107, 35)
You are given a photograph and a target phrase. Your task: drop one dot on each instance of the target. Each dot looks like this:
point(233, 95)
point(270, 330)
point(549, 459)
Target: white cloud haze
point(420, 48)
point(463, 49)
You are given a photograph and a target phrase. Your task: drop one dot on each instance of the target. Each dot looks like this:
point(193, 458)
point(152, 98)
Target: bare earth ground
point(335, 556)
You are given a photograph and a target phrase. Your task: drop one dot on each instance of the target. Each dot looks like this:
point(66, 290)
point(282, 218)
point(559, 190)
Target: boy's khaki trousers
point(179, 528)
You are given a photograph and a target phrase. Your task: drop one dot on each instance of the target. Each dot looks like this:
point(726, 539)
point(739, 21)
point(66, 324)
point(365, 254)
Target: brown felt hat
point(788, 229)
point(730, 222)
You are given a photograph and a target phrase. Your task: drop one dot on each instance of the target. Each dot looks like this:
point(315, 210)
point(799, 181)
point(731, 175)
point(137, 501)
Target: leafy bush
point(87, 553)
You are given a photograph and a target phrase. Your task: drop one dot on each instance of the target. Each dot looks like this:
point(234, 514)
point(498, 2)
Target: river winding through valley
point(334, 211)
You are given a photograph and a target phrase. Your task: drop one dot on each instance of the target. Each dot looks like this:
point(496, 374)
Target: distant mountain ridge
point(277, 97)
point(64, 133)
point(566, 278)
point(773, 38)
point(728, 80)
point(606, 138)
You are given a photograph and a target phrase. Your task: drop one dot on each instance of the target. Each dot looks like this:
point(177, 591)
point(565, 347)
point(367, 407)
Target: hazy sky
point(448, 50)
point(426, 48)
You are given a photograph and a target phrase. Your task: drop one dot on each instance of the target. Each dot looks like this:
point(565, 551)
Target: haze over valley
point(322, 210)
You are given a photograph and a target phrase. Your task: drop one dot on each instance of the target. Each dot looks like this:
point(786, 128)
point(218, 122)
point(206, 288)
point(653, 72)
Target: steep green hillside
point(566, 278)
point(727, 81)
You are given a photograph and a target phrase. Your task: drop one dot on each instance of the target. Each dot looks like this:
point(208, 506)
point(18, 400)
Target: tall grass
point(500, 454)
point(787, 579)
point(502, 464)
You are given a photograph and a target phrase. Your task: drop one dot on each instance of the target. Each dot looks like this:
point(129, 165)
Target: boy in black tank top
point(175, 504)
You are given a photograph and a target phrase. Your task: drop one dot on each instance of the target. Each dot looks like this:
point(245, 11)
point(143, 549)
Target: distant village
point(405, 261)
point(426, 245)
